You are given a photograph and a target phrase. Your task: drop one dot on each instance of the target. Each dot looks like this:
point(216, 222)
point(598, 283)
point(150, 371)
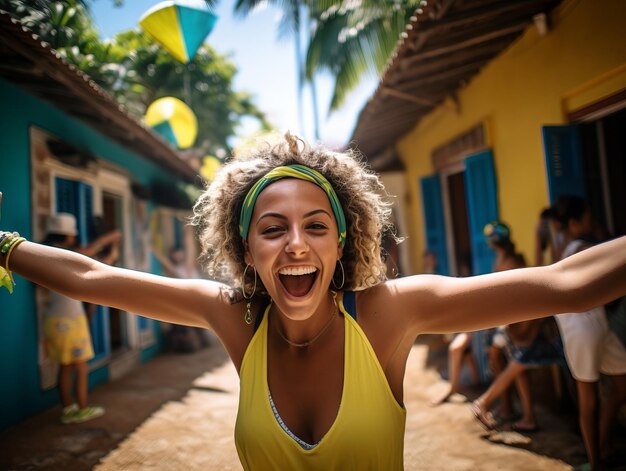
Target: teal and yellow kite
point(179, 26)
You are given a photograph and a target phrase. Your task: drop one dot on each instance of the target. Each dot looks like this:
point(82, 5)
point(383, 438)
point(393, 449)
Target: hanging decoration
point(210, 166)
point(174, 120)
point(180, 26)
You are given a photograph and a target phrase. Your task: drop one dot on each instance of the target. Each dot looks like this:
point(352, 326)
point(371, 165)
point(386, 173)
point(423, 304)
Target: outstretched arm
point(427, 303)
point(188, 302)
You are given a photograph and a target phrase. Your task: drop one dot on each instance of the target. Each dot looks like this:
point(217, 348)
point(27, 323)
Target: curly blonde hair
point(216, 213)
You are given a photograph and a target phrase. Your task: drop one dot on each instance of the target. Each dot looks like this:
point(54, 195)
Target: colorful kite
point(179, 26)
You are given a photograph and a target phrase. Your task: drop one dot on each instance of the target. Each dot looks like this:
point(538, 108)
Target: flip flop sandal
point(486, 419)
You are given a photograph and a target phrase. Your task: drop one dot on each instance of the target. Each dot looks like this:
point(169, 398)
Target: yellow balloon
point(174, 120)
point(210, 166)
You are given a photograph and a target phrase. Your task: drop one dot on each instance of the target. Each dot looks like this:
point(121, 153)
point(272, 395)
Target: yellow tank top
point(368, 432)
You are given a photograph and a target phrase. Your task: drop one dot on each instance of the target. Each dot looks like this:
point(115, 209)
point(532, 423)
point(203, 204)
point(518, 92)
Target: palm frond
point(354, 37)
point(243, 8)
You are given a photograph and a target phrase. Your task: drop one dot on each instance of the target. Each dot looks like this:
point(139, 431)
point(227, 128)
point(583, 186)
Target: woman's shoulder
point(398, 295)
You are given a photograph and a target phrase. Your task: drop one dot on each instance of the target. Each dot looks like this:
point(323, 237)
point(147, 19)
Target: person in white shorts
point(591, 348)
point(603, 352)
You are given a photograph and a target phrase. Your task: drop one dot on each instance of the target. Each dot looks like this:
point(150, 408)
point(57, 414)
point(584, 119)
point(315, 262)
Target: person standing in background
point(320, 338)
point(178, 264)
point(590, 346)
point(65, 324)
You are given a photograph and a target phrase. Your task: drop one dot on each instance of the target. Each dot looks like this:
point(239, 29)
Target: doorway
point(603, 143)
point(112, 219)
point(457, 205)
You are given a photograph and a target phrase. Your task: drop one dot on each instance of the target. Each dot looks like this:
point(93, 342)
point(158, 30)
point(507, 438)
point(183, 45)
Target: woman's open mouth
point(298, 281)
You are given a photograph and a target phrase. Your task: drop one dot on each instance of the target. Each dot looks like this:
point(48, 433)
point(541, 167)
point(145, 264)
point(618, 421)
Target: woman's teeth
point(296, 271)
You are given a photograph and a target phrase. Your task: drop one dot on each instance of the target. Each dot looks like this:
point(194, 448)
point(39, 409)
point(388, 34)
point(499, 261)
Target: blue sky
point(266, 67)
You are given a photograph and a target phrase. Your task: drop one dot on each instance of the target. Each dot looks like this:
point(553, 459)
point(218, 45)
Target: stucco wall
point(537, 81)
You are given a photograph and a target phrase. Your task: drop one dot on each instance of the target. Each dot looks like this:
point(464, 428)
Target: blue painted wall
point(20, 392)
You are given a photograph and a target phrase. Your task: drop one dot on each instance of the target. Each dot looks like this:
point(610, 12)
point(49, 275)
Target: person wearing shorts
point(68, 339)
point(591, 348)
point(602, 353)
point(65, 326)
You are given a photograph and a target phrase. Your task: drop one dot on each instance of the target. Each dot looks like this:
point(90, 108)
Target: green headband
point(301, 173)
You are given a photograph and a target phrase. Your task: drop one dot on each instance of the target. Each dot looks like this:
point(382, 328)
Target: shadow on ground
point(42, 442)
point(558, 436)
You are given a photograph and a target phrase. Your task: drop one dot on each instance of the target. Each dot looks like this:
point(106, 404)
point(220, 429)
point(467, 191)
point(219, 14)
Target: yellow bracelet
point(14, 244)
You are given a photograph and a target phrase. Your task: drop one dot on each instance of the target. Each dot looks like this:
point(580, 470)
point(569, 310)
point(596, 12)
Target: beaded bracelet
point(3, 237)
point(5, 240)
point(8, 242)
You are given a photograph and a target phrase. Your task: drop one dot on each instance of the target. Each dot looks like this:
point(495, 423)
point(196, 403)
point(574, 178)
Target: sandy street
point(196, 432)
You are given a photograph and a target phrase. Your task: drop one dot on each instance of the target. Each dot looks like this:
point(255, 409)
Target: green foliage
point(137, 71)
point(62, 24)
point(146, 72)
point(352, 38)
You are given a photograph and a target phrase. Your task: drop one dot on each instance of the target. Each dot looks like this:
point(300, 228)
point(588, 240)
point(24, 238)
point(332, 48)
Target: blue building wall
point(20, 392)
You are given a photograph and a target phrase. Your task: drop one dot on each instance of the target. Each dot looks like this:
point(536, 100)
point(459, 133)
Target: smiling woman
point(357, 193)
point(318, 335)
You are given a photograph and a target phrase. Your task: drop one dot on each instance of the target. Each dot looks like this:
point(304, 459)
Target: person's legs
point(497, 363)
point(608, 411)
point(527, 422)
point(456, 352)
point(613, 365)
point(470, 360)
point(587, 417)
point(82, 376)
point(65, 384)
point(481, 406)
point(84, 411)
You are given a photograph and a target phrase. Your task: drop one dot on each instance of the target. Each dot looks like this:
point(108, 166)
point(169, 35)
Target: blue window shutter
point(564, 164)
point(66, 196)
point(100, 334)
point(144, 322)
point(85, 198)
point(482, 207)
point(434, 221)
point(75, 197)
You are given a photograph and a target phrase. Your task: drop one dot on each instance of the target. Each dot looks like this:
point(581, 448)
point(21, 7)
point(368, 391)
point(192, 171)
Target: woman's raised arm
point(436, 304)
point(187, 302)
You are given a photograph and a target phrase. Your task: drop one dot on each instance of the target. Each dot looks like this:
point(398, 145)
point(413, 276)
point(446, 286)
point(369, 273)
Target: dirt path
point(196, 433)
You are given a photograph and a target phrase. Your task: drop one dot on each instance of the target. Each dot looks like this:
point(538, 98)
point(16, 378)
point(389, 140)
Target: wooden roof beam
point(395, 115)
point(441, 9)
point(417, 64)
point(450, 75)
point(480, 39)
point(524, 8)
point(407, 97)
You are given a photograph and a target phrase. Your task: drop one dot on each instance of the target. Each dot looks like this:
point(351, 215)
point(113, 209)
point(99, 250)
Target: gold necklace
point(318, 335)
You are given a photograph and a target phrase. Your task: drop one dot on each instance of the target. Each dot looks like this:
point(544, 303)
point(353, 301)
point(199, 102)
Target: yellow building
point(493, 113)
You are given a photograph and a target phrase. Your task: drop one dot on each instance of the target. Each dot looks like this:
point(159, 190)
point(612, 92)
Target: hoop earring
point(248, 315)
point(343, 277)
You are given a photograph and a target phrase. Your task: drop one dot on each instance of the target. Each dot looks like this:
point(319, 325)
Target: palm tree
point(61, 23)
point(294, 15)
point(354, 37)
